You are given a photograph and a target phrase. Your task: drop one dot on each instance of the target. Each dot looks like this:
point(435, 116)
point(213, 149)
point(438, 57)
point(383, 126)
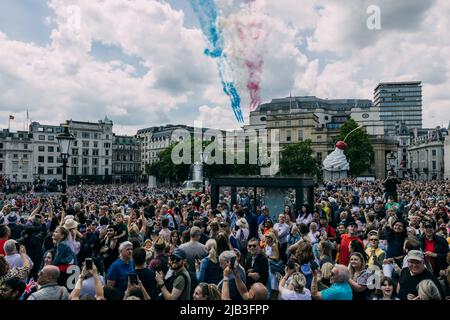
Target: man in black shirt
point(390, 185)
point(146, 275)
point(256, 264)
point(411, 276)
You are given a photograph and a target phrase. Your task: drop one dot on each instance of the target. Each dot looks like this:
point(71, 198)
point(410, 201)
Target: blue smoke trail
point(206, 11)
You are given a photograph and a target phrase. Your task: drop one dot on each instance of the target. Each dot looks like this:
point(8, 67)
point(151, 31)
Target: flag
point(29, 286)
point(11, 117)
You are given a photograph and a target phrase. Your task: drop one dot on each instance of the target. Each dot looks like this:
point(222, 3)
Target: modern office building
point(16, 156)
point(126, 159)
point(399, 102)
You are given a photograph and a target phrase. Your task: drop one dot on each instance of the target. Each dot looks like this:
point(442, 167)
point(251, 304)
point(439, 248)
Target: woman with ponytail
point(208, 270)
point(205, 291)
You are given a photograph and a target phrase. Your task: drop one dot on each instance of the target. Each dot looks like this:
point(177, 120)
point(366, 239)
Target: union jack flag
point(30, 285)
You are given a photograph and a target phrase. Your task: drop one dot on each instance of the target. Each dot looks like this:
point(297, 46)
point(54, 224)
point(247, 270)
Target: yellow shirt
point(371, 261)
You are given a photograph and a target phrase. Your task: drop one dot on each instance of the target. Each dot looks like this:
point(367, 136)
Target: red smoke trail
point(249, 35)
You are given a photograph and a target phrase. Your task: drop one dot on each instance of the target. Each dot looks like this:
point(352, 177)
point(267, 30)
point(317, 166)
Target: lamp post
point(65, 138)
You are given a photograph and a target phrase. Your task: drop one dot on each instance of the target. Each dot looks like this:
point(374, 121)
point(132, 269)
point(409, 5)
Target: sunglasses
point(252, 245)
point(223, 225)
point(374, 239)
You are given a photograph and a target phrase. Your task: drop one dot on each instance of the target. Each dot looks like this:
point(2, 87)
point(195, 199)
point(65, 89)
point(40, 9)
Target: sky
point(141, 63)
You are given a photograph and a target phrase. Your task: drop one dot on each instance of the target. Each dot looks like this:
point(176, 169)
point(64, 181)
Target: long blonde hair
point(211, 247)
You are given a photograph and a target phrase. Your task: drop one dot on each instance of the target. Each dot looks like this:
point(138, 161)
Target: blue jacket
point(63, 254)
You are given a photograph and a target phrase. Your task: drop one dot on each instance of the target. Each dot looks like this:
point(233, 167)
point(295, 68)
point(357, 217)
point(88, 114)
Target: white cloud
point(217, 118)
point(318, 48)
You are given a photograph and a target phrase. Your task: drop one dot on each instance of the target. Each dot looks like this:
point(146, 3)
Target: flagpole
point(9, 123)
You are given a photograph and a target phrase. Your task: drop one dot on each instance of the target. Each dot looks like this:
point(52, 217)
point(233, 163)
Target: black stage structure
point(304, 188)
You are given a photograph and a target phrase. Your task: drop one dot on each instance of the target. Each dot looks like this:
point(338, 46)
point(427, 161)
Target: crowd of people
point(379, 240)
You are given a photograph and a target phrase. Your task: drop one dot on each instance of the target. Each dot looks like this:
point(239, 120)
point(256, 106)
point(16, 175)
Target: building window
point(25, 156)
point(300, 122)
point(85, 144)
point(95, 144)
point(40, 170)
point(85, 161)
point(319, 156)
point(107, 145)
point(58, 170)
point(85, 135)
point(24, 176)
point(1, 155)
point(41, 159)
point(319, 137)
point(15, 156)
point(15, 167)
point(106, 162)
point(95, 161)
point(74, 161)
point(288, 135)
point(107, 137)
point(75, 143)
point(85, 152)
point(434, 164)
point(74, 152)
point(41, 137)
point(277, 124)
point(85, 171)
point(1, 145)
point(25, 146)
point(95, 135)
point(95, 171)
point(50, 130)
point(51, 149)
point(51, 159)
point(300, 135)
point(433, 152)
point(288, 123)
point(50, 171)
point(106, 152)
point(41, 149)
point(51, 138)
point(95, 152)
point(74, 171)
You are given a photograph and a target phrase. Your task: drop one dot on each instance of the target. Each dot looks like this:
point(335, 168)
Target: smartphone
point(291, 264)
point(133, 278)
point(89, 263)
point(233, 262)
point(17, 246)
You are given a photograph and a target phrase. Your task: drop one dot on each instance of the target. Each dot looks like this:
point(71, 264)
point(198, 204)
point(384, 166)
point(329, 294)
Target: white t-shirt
point(287, 294)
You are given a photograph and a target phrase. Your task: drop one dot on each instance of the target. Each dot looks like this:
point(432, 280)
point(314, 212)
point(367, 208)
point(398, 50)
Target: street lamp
point(65, 138)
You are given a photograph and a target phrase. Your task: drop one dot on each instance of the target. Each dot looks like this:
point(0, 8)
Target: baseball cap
point(415, 255)
point(179, 254)
point(428, 225)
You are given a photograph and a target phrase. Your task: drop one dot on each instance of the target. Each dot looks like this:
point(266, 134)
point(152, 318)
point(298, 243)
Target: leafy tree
point(298, 159)
point(359, 151)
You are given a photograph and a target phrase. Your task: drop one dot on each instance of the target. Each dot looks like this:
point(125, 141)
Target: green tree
point(359, 151)
point(298, 159)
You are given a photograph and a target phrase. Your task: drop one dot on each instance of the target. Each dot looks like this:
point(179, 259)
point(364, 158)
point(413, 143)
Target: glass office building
point(399, 102)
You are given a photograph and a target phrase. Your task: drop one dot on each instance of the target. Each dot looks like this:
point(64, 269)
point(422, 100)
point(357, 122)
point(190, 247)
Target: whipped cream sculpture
point(336, 161)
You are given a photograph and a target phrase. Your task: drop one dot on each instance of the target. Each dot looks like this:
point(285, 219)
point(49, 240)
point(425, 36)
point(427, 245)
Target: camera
point(17, 246)
point(233, 262)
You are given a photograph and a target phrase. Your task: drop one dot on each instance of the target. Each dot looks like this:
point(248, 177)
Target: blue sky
point(141, 62)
